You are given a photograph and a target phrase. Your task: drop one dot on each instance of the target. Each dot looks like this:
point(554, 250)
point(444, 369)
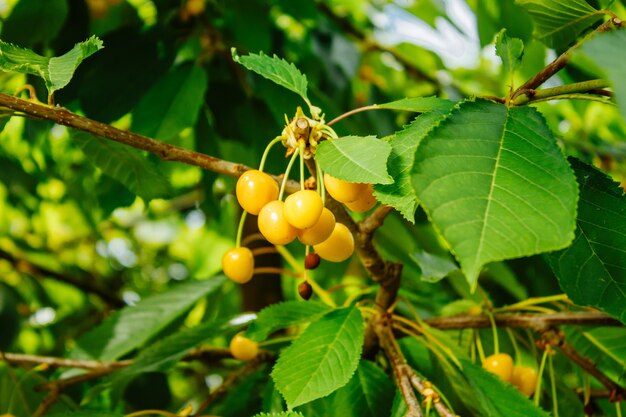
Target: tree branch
point(560, 62)
point(90, 287)
point(533, 321)
point(165, 151)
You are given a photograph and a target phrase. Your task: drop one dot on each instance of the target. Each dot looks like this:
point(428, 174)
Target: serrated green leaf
point(400, 195)
point(282, 315)
point(124, 164)
point(129, 328)
point(355, 159)
point(592, 271)
point(368, 394)
point(497, 398)
point(418, 104)
point(33, 22)
point(607, 51)
point(172, 104)
point(559, 22)
point(495, 185)
point(510, 50)
point(283, 414)
point(322, 359)
point(277, 70)
point(56, 71)
point(165, 353)
point(434, 268)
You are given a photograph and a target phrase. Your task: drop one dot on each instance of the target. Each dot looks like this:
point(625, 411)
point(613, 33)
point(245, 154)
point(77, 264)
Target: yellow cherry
point(254, 190)
point(339, 245)
point(320, 231)
point(365, 201)
point(525, 379)
point(238, 264)
point(303, 209)
point(343, 191)
point(501, 365)
point(274, 226)
point(243, 348)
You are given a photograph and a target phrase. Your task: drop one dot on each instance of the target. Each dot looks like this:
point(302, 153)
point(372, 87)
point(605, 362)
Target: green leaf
point(510, 50)
point(56, 71)
point(86, 413)
point(559, 22)
point(607, 51)
point(604, 346)
point(497, 398)
point(592, 271)
point(495, 185)
point(355, 159)
point(283, 414)
point(434, 268)
point(129, 328)
point(322, 359)
point(124, 164)
point(32, 22)
point(400, 195)
point(368, 394)
point(165, 353)
point(282, 315)
point(417, 104)
point(172, 104)
point(277, 70)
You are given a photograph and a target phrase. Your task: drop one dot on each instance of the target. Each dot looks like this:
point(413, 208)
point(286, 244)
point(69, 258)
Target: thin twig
point(524, 320)
point(375, 220)
point(86, 285)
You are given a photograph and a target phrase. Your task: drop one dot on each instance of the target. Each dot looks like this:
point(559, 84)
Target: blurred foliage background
point(76, 243)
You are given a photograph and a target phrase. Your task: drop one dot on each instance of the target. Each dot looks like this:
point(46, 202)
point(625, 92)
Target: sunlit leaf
point(355, 159)
point(322, 359)
point(282, 315)
point(495, 184)
point(368, 394)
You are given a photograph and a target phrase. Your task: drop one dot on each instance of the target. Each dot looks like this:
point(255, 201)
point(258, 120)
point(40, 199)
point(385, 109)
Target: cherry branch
point(560, 62)
point(165, 151)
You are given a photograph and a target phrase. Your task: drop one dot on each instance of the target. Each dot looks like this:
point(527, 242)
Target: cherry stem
point(301, 148)
point(479, 346)
point(320, 183)
point(514, 343)
point(264, 251)
point(274, 270)
point(286, 177)
point(267, 151)
point(242, 220)
point(354, 111)
point(542, 367)
point(494, 330)
point(555, 405)
point(618, 408)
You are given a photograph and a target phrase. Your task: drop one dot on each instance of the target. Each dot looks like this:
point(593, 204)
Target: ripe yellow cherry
point(254, 190)
point(501, 365)
point(320, 231)
point(343, 191)
point(525, 379)
point(338, 247)
point(303, 209)
point(238, 264)
point(365, 201)
point(243, 348)
point(274, 226)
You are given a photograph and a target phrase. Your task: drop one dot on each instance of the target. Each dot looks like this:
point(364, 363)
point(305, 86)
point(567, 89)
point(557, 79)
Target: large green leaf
point(172, 104)
point(607, 51)
point(400, 195)
point(131, 327)
point(604, 346)
point(355, 159)
point(497, 398)
point(34, 21)
point(495, 184)
point(417, 104)
point(559, 22)
point(322, 359)
point(56, 71)
point(277, 70)
point(368, 394)
point(281, 315)
point(165, 353)
point(124, 164)
point(592, 271)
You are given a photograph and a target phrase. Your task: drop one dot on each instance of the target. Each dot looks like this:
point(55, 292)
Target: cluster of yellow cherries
point(523, 378)
point(301, 215)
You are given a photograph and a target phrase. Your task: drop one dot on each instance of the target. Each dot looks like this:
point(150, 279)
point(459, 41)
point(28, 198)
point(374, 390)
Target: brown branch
point(88, 286)
point(560, 62)
point(556, 338)
point(232, 379)
point(165, 151)
point(524, 320)
point(401, 371)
